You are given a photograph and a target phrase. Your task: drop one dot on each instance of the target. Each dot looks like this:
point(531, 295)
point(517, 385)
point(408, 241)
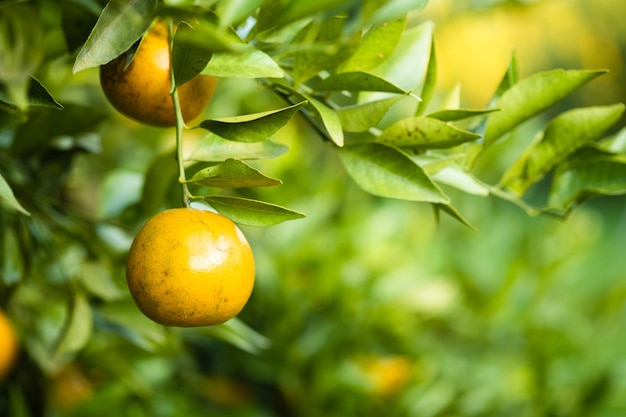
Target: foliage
point(77, 181)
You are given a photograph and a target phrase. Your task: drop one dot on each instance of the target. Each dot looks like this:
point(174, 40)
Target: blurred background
point(371, 307)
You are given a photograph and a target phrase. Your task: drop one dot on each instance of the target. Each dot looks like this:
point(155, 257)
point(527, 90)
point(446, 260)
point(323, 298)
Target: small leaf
point(361, 117)
point(615, 143)
point(454, 213)
point(329, 118)
point(7, 198)
point(377, 44)
point(212, 148)
point(425, 133)
point(388, 172)
point(531, 96)
point(321, 46)
point(281, 13)
point(251, 212)
point(316, 110)
point(249, 63)
point(587, 177)
point(161, 176)
point(252, 127)
point(124, 319)
point(445, 170)
point(119, 26)
point(459, 114)
point(356, 81)
point(187, 59)
point(233, 11)
point(98, 280)
point(407, 65)
point(430, 80)
point(564, 135)
point(391, 9)
point(509, 80)
point(232, 173)
point(12, 265)
point(456, 177)
point(77, 329)
point(238, 334)
point(37, 96)
point(207, 38)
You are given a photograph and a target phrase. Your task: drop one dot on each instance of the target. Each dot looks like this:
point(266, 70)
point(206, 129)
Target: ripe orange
point(142, 91)
point(8, 345)
point(69, 388)
point(386, 374)
point(188, 267)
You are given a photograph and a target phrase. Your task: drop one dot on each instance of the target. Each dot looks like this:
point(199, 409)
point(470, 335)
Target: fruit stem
point(180, 124)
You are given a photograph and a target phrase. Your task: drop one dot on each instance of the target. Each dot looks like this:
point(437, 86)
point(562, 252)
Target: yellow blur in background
point(474, 48)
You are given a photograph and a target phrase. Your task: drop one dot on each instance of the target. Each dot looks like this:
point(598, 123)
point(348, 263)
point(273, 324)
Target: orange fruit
point(188, 267)
point(142, 91)
point(69, 388)
point(386, 375)
point(8, 345)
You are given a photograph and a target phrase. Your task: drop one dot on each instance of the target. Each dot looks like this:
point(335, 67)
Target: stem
point(180, 124)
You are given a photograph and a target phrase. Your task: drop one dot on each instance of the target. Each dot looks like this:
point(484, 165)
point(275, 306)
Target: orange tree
point(359, 76)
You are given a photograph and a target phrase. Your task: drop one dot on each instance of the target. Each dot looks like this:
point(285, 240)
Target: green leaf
point(407, 65)
point(46, 123)
point(509, 80)
point(233, 11)
point(21, 43)
point(615, 143)
point(21, 38)
point(207, 38)
point(7, 198)
point(459, 114)
point(378, 11)
point(123, 318)
point(37, 96)
point(212, 148)
point(232, 173)
point(77, 20)
point(531, 96)
point(238, 334)
point(251, 212)
point(188, 60)
point(430, 80)
point(385, 171)
point(161, 176)
point(120, 25)
point(329, 118)
point(321, 46)
point(377, 44)
point(98, 280)
point(445, 170)
point(253, 127)
point(425, 133)
point(12, 265)
point(564, 135)
point(454, 213)
point(586, 177)
point(356, 81)
point(249, 63)
point(321, 116)
point(77, 329)
point(361, 117)
point(279, 13)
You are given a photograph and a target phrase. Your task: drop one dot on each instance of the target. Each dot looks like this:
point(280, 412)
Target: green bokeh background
point(367, 307)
